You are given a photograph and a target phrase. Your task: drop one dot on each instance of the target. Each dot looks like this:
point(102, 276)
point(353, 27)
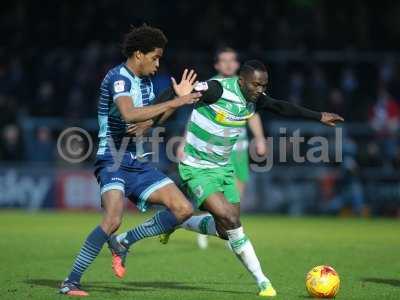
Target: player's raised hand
point(331, 119)
point(187, 83)
point(184, 100)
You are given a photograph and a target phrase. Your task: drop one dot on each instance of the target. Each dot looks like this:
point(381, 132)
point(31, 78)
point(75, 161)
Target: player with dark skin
point(222, 201)
point(226, 215)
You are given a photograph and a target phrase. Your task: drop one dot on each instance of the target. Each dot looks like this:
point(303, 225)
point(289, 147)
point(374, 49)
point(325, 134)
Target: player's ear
point(241, 80)
point(137, 54)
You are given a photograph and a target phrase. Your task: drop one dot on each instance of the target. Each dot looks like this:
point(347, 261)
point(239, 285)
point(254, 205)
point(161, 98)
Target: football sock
point(90, 249)
point(162, 222)
point(244, 250)
point(203, 224)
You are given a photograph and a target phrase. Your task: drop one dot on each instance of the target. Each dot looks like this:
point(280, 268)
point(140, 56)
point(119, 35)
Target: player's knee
point(111, 223)
point(229, 220)
point(184, 211)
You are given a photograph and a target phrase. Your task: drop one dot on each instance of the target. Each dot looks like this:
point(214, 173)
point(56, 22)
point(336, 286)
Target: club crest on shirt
point(119, 86)
point(198, 191)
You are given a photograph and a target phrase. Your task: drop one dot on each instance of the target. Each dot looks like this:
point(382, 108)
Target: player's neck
point(242, 90)
point(133, 67)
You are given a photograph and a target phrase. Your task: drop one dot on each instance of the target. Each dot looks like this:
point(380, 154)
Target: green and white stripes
point(214, 129)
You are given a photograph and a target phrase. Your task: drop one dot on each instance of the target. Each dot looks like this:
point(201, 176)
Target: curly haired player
point(126, 106)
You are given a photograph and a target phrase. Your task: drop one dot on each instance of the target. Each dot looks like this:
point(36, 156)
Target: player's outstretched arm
point(330, 119)
point(139, 114)
point(288, 109)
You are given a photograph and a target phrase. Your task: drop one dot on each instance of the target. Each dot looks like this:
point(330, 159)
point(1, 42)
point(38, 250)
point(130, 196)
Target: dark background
point(339, 56)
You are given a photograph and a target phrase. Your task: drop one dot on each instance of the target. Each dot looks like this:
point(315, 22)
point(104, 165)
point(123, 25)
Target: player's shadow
point(178, 286)
point(94, 286)
point(132, 286)
point(388, 281)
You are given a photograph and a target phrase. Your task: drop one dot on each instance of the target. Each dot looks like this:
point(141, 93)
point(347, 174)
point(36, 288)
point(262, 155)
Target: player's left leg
point(113, 204)
point(178, 210)
point(226, 218)
point(160, 190)
point(240, 164)
point(215, 191)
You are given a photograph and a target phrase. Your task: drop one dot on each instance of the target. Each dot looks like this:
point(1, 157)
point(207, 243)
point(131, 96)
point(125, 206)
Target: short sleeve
point(119, 86)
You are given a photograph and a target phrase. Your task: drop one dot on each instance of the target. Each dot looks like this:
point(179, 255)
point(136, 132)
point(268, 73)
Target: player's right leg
point(178, 209)
point(195, 223)
point(240, 164)
point(112, 202)
point(226, 218)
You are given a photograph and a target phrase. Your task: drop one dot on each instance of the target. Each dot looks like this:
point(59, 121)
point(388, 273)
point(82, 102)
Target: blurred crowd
point(56, 53)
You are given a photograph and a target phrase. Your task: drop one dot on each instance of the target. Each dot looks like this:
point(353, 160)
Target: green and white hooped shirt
point(214, 129)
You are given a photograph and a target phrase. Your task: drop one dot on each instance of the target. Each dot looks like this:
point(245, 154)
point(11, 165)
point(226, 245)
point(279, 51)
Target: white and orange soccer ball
point(322, 282)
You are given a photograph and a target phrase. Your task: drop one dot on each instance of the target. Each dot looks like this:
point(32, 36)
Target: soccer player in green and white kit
point(207, 171)
point(227, 65)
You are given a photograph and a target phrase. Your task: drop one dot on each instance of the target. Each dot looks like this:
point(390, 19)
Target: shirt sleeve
point(285, 108)
point(119, 86)
point(210, 90)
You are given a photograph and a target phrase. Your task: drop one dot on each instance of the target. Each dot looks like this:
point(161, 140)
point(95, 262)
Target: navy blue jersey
point(120, 81)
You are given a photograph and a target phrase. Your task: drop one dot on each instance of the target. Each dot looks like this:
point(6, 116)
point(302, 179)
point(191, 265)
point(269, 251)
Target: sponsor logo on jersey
point(119, 86)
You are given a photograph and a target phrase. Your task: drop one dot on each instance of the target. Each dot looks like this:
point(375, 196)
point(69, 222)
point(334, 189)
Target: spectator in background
point(349, 82)
point(396, 160)
point(336, 102)
point(75, 107)
point(349, 186)
point(373, 156)
point(296, 87)
point(11, 147)
point(44, 99)
point(43, 149)
point(319, 89)
point(386, 71)
point(8, 109)
point(384, 118)
point(349, 86)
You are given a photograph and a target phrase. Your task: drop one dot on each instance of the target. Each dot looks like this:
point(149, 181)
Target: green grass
point(37, 252)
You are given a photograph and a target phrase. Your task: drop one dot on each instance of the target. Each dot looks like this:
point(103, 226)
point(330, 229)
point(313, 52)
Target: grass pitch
point(37, 251)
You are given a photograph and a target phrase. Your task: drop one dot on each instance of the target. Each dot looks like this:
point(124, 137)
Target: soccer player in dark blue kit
point(127, 101)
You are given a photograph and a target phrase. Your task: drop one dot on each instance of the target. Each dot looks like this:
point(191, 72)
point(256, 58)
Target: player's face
point(150, 61)
point(253, 85)
point(227, 64)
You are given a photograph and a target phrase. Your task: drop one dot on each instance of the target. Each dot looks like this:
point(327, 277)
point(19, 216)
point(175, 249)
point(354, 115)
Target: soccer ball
point(322, 282)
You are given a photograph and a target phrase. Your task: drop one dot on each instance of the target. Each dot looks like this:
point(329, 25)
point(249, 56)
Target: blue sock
point(90, 249)
point(162, 222)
